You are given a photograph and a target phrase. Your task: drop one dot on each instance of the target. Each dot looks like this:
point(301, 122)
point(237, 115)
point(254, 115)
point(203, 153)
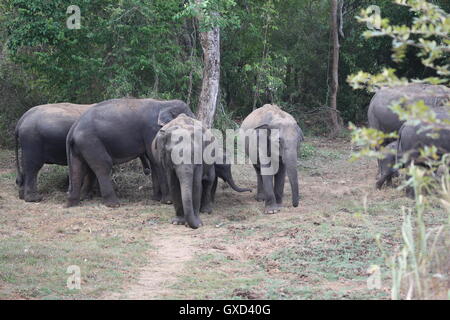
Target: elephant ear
point(165, 116)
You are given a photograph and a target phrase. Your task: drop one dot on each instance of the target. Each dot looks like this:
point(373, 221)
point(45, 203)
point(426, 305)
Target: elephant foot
point(179, 221)
point(33, 197)
point(195, 223)
point(147, 172)
point(112, 204)
point(21, 194)
point(260, 197)
point(166, 200)
point(72, 203)
point(272, 209)
point(156, 197)
point(87, 196)
point(206, 209)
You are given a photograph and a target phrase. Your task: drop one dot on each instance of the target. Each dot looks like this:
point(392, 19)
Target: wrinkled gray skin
point(387, 170)
point(382, 118)
point(412, 140)
point(114, 132)
point(41, 135)
point(271, 187)
point(190, 184)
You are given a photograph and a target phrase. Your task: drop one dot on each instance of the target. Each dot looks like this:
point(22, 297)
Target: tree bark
point(210, 42)
point(335, 118)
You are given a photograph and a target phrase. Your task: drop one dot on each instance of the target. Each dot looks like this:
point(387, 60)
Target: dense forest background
point(271, 51)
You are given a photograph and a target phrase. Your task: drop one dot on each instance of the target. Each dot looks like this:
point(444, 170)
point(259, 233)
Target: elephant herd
point(91, 139)
point(411, 136)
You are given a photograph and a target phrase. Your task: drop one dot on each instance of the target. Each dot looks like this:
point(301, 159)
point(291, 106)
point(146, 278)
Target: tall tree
point(335, 121)
point(210, 42)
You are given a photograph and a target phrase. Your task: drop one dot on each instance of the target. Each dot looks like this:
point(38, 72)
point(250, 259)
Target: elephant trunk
point(186, 185)
point(290, 160)
point(224, 172)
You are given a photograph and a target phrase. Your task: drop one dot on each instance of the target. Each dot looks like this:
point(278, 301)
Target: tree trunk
point(335, 119)
point(210, 42)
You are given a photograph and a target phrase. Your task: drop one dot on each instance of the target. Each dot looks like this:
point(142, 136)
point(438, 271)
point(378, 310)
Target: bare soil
point(320, 250)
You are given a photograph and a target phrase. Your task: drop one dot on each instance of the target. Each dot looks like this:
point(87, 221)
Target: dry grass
point(321, 250)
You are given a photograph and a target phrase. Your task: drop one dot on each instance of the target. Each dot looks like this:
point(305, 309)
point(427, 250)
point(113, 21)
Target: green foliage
point(418, 261)
point(272, 51)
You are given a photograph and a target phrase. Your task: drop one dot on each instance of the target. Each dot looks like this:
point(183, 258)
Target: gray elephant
point(41, 135)
point(271, 186)
point(387, 165)
point(190, 182)
point(413, 138)
point(114, 132)
point(383, 119)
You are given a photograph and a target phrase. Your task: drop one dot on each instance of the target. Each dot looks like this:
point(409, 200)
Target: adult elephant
point(191, 176)
point(382, 118)
point(41, 135)
point(413, 138)
point(271, 185)
point(114, 132)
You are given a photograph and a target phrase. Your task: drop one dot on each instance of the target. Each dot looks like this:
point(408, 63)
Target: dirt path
point(173, 247)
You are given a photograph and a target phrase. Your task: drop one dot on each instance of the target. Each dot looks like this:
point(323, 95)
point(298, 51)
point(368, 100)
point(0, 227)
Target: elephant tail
point(69, 146)
point(19, 178)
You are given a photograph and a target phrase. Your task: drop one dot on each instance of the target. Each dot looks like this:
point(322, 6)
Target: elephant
point(271, 186)
point(190, 182)
point(413, 138)
point(114, 132)
point(387, 169)
point(41, 135)
point(384, 119)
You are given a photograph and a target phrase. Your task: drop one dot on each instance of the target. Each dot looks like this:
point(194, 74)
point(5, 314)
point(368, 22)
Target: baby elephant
point(386, 165)
point(178, 148)
point(278, 139)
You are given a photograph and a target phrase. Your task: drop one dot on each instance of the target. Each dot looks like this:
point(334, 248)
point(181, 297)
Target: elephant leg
point(197, 192)
point(260, 190)
point(280, 178)
point(145, 165)
point(155, 183)
point(160, 183)
point(271, 206)
point(87, 190)
point(32, 163)
point(214, 189)
point(101, 164)
point(186, 176)
point(207, 189)
point(175, 190)
point(77, 172)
